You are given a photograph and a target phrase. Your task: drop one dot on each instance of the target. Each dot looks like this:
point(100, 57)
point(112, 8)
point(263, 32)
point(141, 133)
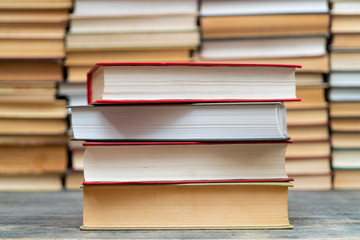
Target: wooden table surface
point(315, 215)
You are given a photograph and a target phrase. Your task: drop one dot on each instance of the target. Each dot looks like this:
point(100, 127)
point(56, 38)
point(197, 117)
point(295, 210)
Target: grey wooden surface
point(315, 215)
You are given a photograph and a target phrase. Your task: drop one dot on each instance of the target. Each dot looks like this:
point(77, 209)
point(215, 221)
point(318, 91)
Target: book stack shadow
point(185, 146)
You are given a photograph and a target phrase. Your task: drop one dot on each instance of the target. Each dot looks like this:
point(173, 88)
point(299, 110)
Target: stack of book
point(280, 31)
point(33, 143)
point(344, 93)
point(185, 145)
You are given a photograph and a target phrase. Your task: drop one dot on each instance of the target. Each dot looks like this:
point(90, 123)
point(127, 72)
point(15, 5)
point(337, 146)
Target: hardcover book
point(181, 122)
point(190, 82)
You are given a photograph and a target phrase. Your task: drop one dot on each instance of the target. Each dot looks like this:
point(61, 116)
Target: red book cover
point(96, 66)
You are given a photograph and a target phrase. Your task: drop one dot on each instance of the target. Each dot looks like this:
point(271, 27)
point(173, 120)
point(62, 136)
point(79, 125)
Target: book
point(20, 159)
point(312, 97)
point(345, 139)
point(307, 116)
point(231, 26)
point(345, 124)
point(73, 180)
point(136, 23)
point(346, 179)
point(30, 48)
point(345, 40)
point(308, 166)
point(308, 132)
point(309, 149)
point(280, 47)
point(32, 30)
point(30, 182)
point(18, 126)
point(35, 4)
point(344, 109)
point(136, 162)
point(345, 23)
point(34, 70)
point(344, 94)
point(185, 206)
point(345, 60)
point(134, 7)
point(75, 93)
point(29, 110)
point(27, 92)
point(141, 40)
point(346, 158)
point(309, 182)
point(90, 58)
point(344, 79)
point(180, 122)
point(255, 7)
point(309, 79)
point(190, 82)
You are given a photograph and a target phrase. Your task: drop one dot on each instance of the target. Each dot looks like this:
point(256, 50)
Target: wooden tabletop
point(315, 215)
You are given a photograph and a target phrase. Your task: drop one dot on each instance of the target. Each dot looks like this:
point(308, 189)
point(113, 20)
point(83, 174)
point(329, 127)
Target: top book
point(121, 83)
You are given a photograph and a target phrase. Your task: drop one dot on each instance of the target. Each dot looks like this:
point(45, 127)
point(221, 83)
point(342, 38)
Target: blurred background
point(48, 46)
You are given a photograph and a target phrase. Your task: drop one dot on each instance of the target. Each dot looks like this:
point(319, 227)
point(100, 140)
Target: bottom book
point(31, 182)
point(246, 205)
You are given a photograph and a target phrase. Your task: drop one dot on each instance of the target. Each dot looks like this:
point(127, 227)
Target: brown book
point(118, 41)
point(34, 15)
point(185, 206)
point(15, 126)
point(345, 139)
point(82, 58)
point(321, 182)
point(351, 40)
point(74, 180)
point(345, 124)
point(264, 25)
point(308, 166)
point(308, 149)
point(311, 97)
point(345, 109)
point(345, 23)
point(309, 79)
point(27, 92)
point(23, 48)
point(347, 179)
point(32, 30)
point(307, 116)
point(28, 110)
point(31, 182)
point(308, 132)
point(44, 70)
point(33, 159)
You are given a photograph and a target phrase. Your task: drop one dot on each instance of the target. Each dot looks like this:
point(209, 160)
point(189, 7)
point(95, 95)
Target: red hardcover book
point(134, 83)
point(184, 162)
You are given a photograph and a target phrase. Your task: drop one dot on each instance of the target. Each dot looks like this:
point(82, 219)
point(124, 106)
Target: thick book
point(145, 162)
point(180, 122)
point(190, 82)
point(185, 206)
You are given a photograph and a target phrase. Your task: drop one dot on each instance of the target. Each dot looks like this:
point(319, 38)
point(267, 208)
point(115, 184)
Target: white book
point(252, 7)
point(263, 48)
point(344, 79)
point(180, 122)
point(344, 94)
point(134, 7)
point(183, 161)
